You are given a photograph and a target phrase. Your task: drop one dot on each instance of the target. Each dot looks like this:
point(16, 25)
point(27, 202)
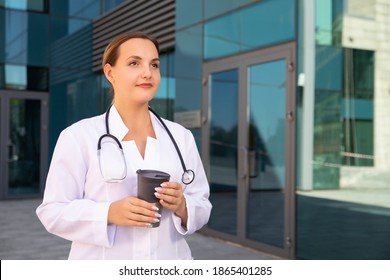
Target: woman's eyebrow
point(140, 58)
point(134, 57)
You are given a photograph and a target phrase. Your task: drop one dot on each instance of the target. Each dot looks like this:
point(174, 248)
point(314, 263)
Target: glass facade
point(25, 38)
point(343, 213)
point(248, 28)
point(86, 9)
point(25, 5)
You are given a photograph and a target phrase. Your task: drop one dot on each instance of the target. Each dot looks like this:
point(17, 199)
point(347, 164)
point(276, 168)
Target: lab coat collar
point(119, 129)
point(117, 126)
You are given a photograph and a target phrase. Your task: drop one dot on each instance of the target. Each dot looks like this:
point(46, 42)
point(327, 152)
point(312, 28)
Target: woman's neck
point(135, 117)
point(137, 120)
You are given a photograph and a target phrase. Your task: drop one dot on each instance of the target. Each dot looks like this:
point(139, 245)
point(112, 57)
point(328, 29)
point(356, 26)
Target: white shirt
point(76, 199)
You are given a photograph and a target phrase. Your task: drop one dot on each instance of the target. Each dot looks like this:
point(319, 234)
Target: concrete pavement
point(23, 237)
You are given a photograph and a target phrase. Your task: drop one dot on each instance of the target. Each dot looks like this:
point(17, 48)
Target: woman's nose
point(146, 72)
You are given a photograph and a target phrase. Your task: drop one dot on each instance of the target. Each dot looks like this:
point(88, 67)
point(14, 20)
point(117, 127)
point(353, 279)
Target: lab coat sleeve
point(197, 193)
point(64, 211)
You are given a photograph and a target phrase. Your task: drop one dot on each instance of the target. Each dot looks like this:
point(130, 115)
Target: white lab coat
point(76, 199)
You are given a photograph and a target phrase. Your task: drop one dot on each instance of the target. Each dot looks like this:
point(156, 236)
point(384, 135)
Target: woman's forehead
point(138, 47)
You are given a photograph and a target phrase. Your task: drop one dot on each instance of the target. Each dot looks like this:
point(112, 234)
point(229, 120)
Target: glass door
point(222, 154)
point(249, 148)
point(23, 143)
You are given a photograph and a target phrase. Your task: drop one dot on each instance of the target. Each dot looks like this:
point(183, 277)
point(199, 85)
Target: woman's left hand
point(171, 197)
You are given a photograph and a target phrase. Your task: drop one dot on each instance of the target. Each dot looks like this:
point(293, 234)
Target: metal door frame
point(5, 96)
point(241, 62)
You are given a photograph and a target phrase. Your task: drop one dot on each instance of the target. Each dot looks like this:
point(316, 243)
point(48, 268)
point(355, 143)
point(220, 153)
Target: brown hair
point(111, 52)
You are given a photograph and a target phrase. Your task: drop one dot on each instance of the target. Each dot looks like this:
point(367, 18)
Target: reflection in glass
point(87, 9)
point(213, 8)
point(24, 38)
point(111, 4)
point(188, 13)
point(223, 151)
point(358, 108)
point(21, 77)
point(25, 5)
point(266, 153)
point(15, 77)
point(24, 146)
point(345, 215)
point(249, 28)
point(163, 101)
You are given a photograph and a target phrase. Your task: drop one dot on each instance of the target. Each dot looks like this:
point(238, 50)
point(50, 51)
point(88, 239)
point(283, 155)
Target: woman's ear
point(108, 72)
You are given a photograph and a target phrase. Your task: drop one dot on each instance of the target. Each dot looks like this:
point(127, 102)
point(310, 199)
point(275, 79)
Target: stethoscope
point(111, 172)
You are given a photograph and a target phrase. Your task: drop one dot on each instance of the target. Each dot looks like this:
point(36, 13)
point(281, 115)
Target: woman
point(104, 219)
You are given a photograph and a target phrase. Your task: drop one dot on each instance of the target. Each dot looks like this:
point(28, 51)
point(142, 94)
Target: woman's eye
point(134, 63)
point(155, 65)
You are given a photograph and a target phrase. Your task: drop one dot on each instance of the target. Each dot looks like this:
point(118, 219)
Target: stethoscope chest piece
point(188, 176)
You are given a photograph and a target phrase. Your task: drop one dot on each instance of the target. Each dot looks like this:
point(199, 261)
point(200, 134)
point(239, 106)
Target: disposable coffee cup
point(148, 180)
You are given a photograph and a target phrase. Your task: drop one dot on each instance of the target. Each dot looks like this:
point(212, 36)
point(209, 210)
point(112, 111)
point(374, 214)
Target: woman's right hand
point(132, 211)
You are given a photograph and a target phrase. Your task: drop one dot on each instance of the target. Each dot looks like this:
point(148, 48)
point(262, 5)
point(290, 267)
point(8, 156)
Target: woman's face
point(136, 74)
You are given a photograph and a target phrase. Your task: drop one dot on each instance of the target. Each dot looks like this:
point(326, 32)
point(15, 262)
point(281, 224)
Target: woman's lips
point(146, 85)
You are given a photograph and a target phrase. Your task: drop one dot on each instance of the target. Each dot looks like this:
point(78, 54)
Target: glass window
point(188, 69)
point(327, 126)
point(358, 109)
point(344, 123)
point(74, 95)
point(37, 78)
point(25, 38)
point(88, 9)
point(71, 48)
point(163, 101)
point(106, 95)
point(188, 12)
point(329, 22)
point(26, 5)
point(62, 27)
point(263, 24)
point(21, 77)
point(214, 8)
point(345, 214)
point(15, 77)
point(111, 4)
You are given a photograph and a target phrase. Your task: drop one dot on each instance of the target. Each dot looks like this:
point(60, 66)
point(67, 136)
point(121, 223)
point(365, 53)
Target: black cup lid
point(152, 174)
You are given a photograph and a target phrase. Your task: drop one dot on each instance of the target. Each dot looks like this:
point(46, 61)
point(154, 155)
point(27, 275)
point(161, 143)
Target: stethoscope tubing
point(108, 134)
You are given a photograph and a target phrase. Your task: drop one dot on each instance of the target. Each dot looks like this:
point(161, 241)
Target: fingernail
point(157, 194)
point(163, 185)
point(148, 225)
point(157, 189)
point(155, 208)
point(157, 215)
point(156, 220)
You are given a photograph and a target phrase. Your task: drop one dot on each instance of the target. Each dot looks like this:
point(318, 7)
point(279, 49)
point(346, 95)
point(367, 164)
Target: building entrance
point(23, 143)
point(249, 148)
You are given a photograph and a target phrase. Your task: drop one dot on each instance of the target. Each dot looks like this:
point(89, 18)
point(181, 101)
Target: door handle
point(290, 116)
point(12, 153)
point(245, 163)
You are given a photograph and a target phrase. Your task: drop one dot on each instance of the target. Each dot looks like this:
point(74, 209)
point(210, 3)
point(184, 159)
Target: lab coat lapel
point(117, 127)
point(153, 146)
